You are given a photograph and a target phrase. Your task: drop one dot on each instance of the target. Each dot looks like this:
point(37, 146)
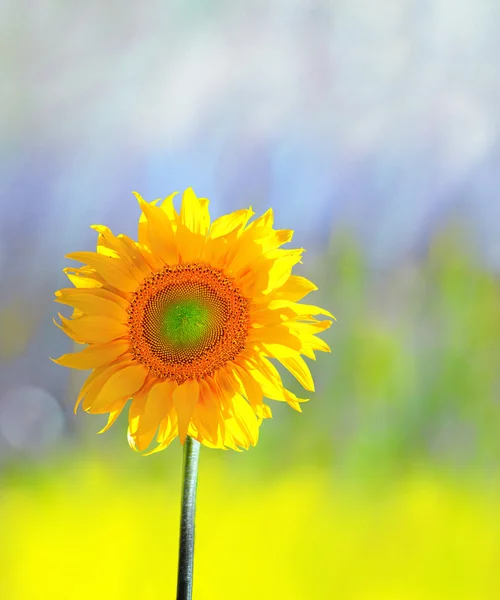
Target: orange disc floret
point(187, 321)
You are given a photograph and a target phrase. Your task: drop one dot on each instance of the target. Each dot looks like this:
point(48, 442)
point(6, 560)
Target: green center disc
point(185, 322)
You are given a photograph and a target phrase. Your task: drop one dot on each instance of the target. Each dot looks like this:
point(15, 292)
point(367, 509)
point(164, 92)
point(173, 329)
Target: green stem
point(188, 510)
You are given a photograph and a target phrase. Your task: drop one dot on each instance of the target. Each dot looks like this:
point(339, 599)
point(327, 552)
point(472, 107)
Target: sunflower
point(185, 321)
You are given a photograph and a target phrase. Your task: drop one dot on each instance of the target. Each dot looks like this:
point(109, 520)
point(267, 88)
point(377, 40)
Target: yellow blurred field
point(89, 530)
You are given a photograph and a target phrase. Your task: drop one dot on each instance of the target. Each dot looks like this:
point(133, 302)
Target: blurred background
point(372, 127)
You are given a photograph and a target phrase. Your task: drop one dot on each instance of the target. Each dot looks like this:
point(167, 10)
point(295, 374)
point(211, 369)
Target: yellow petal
point(243, 256)
point(283, 236)
point(303, 329)
point(185, 397)
point(168, 427)
point(207, 416)
point(167, 433)
point(93, 356)
point(147, 412)
point(120, 384)
point(167, 207)
point(282, 267)
point(94, 329)
point(295, 288)
point(215, 251)
point(99, 292)
point(315, 343)
point(292, 310)
point(112, 270)
point(86, 277)
point(190, 245)
point(267, 376)
point(64, 328)
point(123, 247)
point(278, 351)
point(93, 302)
point(96, 373)
point(83, 279)
point(228, 223)
point(253, 391)
point(254, 243)
point(276, 334)
point(269, 272)
point(299, 369)
point(263, 411)
point(95, 382)
point(133, 253)
point(266, 220)
point(244, 426)
point(142, 226)
point(227, 385)
point(194, 212)
point(160, 236)
point(113, 415)
point(155, 262)
point(293, 401)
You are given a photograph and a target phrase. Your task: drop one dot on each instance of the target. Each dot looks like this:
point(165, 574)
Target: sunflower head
point(184, 323)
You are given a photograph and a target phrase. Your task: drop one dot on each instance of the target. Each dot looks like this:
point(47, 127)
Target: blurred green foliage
point(386, 486)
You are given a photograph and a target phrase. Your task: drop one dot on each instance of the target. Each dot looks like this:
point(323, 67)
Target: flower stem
point(188, 510)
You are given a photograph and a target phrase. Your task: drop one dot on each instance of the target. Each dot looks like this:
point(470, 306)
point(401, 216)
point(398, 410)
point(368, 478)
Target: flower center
point(187, 321)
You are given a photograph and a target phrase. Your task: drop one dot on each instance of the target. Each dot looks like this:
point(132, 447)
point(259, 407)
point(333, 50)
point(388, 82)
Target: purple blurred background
point(377, 117)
